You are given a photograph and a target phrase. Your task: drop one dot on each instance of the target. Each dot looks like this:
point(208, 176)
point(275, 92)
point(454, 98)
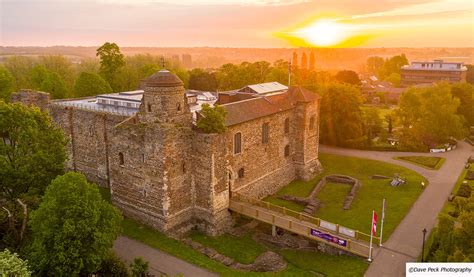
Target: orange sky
point(238, 23)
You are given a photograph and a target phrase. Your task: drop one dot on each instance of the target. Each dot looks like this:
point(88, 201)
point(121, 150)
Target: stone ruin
point(312, 204)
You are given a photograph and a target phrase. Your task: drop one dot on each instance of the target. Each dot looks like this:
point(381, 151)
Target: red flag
point(374, 224)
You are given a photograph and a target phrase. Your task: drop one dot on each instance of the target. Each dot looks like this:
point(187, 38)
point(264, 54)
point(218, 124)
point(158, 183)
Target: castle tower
point(164, 100)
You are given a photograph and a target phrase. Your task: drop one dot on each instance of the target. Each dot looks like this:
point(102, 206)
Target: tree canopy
point(12, 265)
point(212, 119)
point(341, 117)
point(348, 77)
point(73, 228)
point(7, 83)
point(111, 61)
point(89, 84)
point(31, 150)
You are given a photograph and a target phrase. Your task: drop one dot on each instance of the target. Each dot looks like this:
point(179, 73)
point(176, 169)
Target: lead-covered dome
point(163, 78)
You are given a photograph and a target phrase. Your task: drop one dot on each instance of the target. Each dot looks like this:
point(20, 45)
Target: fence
point(303, 224)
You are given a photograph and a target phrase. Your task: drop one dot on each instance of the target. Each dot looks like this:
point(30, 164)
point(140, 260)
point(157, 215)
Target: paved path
point(160, 263)
point(404, 245)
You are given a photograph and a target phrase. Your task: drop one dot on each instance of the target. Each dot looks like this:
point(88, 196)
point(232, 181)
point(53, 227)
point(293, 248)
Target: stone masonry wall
point(31, 97)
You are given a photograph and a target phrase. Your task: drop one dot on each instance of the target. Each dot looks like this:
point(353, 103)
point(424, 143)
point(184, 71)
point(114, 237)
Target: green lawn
point(300, 263)
point(244, 249)
point(368, 198)
point(424, 161)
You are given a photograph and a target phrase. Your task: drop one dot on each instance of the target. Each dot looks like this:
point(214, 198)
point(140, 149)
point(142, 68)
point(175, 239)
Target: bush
point(212, 119)
point(469, 175)
point(464, 191)
point(139, 267)
point(113, 266)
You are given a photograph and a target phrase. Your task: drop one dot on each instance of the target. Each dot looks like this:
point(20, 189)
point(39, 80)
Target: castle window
point(149, 108)
point(183, 167)
point(265, 132)
point(241, 172)
point(121, 160)
point(237, 143)
point(178, 107)
point(311, 122)
point(287, 126)
point(287, 150)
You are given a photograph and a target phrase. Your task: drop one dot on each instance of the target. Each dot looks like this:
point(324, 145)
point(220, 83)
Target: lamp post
point(423, 246)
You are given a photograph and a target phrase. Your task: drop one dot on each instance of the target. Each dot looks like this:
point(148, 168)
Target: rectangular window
point(287, 126)
point(311, 122)
point(237, 143)
point(265, 132)
point(287, 150)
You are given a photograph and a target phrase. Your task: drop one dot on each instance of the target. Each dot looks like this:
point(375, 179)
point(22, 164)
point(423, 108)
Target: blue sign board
point(329, 237)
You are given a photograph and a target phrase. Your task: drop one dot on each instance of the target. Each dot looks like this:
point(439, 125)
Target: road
point(160, 263)
point(404, 245)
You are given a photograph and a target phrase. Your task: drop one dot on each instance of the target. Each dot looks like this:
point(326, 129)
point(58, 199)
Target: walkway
point(404, 245)
point(160, 263)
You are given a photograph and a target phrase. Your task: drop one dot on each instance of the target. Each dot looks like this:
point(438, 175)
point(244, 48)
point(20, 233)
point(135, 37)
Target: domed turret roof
point(163, 78)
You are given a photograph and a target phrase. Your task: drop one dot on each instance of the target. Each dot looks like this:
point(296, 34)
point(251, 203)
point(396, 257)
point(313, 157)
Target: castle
point(165, 172)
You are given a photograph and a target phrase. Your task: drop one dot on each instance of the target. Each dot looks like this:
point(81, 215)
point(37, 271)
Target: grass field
point(424, 161)
point(368, 198)
point(300, 263)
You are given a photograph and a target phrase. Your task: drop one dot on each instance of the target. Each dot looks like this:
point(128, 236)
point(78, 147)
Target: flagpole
point(371, 235)
point(383, 218)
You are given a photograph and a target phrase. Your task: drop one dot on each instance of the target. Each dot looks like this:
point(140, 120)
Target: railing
point(96, 108)
point(303, 224)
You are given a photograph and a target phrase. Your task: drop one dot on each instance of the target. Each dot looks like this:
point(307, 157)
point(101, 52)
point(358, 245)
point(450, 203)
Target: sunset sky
point(238, 23)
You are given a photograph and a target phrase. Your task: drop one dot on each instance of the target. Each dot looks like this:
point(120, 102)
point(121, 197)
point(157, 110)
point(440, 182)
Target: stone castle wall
point(88, 133)
point(31, 97)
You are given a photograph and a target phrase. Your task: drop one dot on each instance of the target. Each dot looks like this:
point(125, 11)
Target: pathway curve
point(160, 263)
point(404, 245)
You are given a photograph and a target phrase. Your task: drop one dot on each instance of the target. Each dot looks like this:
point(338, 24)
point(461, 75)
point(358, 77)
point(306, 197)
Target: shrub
point(139, 267)
point(113, 266)
point(464, 191)
point(469, 175)
point(212, 119)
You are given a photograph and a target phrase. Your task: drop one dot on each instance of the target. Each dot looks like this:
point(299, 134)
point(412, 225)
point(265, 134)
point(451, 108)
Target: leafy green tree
point(31, 150)
point(38, 74)
point(111, 60)
point(12, 265)
point(200, 79)
point(60, 65)
point(139, 267)
point(394, 79)
point(374, 64)
point(6, 83)
point(54, 85)
point(20, 67)
point(341, 116)
point(428, 116)
point(89, 84)
point(465, 93)
point(372, 123)
point(348, 77)
point(212, 119)
point(73, 228)
point(392, 65)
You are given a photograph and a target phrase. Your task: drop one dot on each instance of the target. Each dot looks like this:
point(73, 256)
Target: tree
point(394, 79)
point(73, 228)
point(428, 116)
point(470, 73)
point(89, 84)
point(6, 83)
point(60, 65)
point(31, 150)
point(202, 80)
point(372, 123)
point(212, 119)
point(38, 74)
point(312, 60)
point(19, 67)
point(139, 267)
point(465, 93)
point(392, 65)
point(12, 265)
point(304, 61)
point(111, 60)
point(348, 77)
point(374, 64)
point(341, 117)
point(294, 60)
point(54, 85)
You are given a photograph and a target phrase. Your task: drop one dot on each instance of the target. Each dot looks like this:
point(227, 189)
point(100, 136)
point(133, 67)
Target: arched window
point(241, 172)
point(287, 150)
point(121, 160)
point(237, 143)
point(311, 122)
point(287, 126)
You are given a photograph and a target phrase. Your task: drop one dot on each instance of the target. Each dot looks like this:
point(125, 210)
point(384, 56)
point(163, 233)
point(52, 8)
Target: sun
point(323, 33)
